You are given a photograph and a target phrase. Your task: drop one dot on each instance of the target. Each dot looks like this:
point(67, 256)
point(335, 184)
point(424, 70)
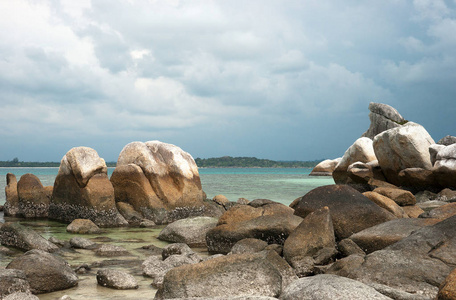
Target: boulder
point(350, 210)
point(413, 211)
point(401, 148)
point(382, 235)
point(12, 281)
point(329, 287)
point(82, 243)
point(221, 200)
point(383, 117)
point(82, 190)
point(313, 234)
point(258, 274)
point(445, 166)
point(16, 235)
point(447, 194)
point(45, 272)
point(361, 173)
point(159, 180)
point(191, 231)
point(116, 279)
point(447, 290)
point(401, 197)
point(108, 250)
point(360, 151)
point(21, 296)
point(417, 179)
point(325, 168)
point(447, 140)
point(83, 226)
point(33, 197)
point(433, 150)
point(129, 213)
point(11, 207)
point(347, 247)
point(176, 249)
point(441, 212)
point(387, 204)
point(273, 229)
point(248, 246)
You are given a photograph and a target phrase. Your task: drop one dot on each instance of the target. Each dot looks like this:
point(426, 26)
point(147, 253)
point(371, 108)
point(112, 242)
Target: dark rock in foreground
point(12, 281)
point(16, 235)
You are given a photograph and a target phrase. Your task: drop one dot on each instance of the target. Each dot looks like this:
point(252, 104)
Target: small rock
point(242, 201)
point(21, 296)
point(447, 290)
point(176, 249)
point(13, 281)
point(111, 250)
point(348, 247)
point(83, 226)
point(248, 246)
point(82, 243)
point(191, 231)
point(116, 279)
point(56, 241)
point(413, 211)
point(147, 223)
point(401, 197)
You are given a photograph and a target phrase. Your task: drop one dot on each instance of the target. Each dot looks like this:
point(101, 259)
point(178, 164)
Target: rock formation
point(382, 117)
point(82, 190)
point(33, 197)
point(325, 168)
point(159, 180)
point(11, 207)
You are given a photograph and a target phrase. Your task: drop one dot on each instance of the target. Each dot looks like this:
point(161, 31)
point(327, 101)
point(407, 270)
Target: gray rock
point(248, 246)
point(325, 168)
point(445, 166)
point(33, 197)
point(16, 235)
point(11, 207)
point(176, 249)
point(447, 140)
point(447, 195)
point(116, 279)
point(348, 247)
point(82, 243)
point(45, 272)
point(13, 281)
point(329, 287)
point(258, 274)
point(433, 150)
point(83, 226)
point(21, 296)
point(191, 231)
point(111, 250)
point(382, 117)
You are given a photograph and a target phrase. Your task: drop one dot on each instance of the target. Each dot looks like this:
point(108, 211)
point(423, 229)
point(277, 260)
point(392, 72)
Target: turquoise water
point(278, 184)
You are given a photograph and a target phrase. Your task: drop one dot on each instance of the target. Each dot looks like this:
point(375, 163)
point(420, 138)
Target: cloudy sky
point(284, 80)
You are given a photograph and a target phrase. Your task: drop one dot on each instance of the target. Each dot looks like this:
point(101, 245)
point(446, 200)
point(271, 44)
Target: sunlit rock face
point(383, 117)
point(159, 180)
point(82, 190)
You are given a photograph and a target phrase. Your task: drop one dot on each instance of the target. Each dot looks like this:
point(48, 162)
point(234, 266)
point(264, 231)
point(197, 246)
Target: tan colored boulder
point(11, 207)
point(159, 180)
point(314, 233)
point(386, 203)
point(359, 172)
point(443, 212)
point(447, 290)
point(33, 197)
point(413, 211)
point(325, 168)
point(361, 151)
point(82, 192)
point(129, 213)
point(401, 197)
point(82, 226)
point(221, 200)
point(445, 166)
point(402, 148)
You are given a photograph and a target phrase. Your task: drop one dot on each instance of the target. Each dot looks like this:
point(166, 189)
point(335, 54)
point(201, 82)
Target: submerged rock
point(116, 279)
point(82, 190)
point(83, 226)
point(191, 231)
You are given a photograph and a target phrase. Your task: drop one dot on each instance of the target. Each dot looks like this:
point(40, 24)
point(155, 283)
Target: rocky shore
point(386, 230)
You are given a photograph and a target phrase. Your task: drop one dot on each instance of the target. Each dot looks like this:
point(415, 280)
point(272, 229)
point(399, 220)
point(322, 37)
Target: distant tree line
point(14, 163)
point(251, 162)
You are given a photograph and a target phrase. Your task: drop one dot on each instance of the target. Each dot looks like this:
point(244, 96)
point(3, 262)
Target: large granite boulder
point(325, 168)
point(191, 231)
point(386, 203)
point(401, 148)
point(330, 287)
point(33, 197)
point(44, 271)
point(159, 180)
point(382, 117)
point(350, 210)
point(82, 190)
point(445, 166)
point(11, 207)
point(16, 235)
point(258, 274)
point(12, 281)
point(360, 151)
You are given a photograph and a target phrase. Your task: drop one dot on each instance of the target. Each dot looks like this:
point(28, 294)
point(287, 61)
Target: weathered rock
point(111, 250)
point(387, 204)
point(329, 287)
point(191, 231)
point(445, 166)
point(347, 247)
point(16, 235)
point(401, 197)
point(382, 117)
point(11, 207)
point(229, 275)
point(243, 201)
point(361, 173)
point(447, 194)
point(425, 196)
point(21, 296)
point(413, 211)
point(116, 279)
point(273, 229)
point(325, 168)
point(441, 212)
point(351, 211)
point(447, 290)
point(401, 148)
point(45, 272)
point(417, 179)
point(360, 151)
point(82, 243)
point(248, 246)
point(129, 213)
point(313, 234)
point(83, 226)
point(147, 223)
point(221, 200)
point(12, 281)
point(176, 249)
point(382, 235)
point(430, 205)
point(447, 140)
point(33, 197)
point(159, 180)
point(433, 150)
point(82, 190)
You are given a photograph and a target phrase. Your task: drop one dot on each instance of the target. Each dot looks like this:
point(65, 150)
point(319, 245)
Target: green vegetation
point(14, 163)
point(251, 162)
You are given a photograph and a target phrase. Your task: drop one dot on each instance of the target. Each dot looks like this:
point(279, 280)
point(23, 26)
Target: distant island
point(216, 162)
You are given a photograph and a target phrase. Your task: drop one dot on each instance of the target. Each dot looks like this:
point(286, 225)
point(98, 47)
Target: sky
point(283, 80)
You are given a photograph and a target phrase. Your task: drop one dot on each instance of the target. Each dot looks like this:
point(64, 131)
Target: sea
point(278, 184)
